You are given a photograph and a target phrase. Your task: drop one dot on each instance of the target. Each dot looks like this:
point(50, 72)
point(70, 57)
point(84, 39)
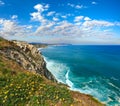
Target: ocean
point(90, 69)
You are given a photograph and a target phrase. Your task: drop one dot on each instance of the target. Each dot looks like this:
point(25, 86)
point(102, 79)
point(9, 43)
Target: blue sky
point(61, 21)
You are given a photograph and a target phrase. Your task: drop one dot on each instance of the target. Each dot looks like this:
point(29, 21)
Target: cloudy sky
point(61, 21)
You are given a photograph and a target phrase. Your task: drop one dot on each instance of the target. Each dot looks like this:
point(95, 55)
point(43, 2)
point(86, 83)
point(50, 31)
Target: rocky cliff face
point(27, 56)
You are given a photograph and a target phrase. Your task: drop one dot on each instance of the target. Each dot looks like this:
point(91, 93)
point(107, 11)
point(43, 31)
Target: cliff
point(39, 45)
point(27, 56)
point(24, 80)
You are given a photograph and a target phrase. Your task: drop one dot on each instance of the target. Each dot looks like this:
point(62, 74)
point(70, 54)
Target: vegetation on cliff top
point(22, 87)
point(18, 86)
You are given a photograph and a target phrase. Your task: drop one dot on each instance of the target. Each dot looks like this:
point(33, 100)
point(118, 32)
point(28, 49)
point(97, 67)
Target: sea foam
point(58, 69)
point(68, 82)
point(100, 87)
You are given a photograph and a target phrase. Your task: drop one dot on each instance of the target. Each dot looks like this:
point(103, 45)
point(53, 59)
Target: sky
point(61, 21)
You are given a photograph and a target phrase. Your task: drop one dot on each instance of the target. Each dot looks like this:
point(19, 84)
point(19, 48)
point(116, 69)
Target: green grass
point(20, 87)
point(27, 88)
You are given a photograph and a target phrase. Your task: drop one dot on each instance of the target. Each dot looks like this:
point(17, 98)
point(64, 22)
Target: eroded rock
point(27, 56)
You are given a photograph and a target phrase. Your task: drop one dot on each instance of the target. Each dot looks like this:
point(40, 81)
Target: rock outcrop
point(28, 57)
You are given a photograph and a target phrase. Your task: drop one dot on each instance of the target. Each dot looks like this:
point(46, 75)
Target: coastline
point(25, 62)
point(86, 71)
point(68, 82)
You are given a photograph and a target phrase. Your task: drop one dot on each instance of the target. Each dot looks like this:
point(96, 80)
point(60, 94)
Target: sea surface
point(93, 70)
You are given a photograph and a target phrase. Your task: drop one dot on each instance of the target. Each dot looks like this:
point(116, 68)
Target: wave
point(62, 74)
point(111, 84)
point(98, 87)
point(58, 69)
point(40, 49)
point(113, 78)
point(68, 82)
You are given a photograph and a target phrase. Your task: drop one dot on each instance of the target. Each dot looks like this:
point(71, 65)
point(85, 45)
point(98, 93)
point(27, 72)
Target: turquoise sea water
point(93, 70)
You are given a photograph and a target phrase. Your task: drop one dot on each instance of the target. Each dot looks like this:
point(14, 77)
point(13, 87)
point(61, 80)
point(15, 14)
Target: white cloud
point(46, 6)
point(76, 6)
point(55, 19)
point(1, 3)
point(84, 27)
point(79, 6)
point(40, 8)
point(63, 31)
point(8, 25)
point(64, 16)
point(44, 28)
point(78, 18)
point(97, 23)
point(9, 28)
point(14, 17)
point(51, 13)
point(78, 23)
point(71, 5)
point(87, 19)
point(93, 2)
point(37, 16)
point(62, 26)
point(29, 27)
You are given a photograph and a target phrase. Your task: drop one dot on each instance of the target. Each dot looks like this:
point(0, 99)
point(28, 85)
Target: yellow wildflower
point(80, 101)
point(3, 101)
point(38, 102)
point(29, 92)
point(11, 84)
point(32, 82)
point(6, 92)
point(18, 87)
point(32, 89)
point(5, 97)
point(56, 97)
point(26, 97)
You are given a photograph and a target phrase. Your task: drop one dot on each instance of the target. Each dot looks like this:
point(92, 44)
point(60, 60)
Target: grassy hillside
point(18, 86)
point(22, 87)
